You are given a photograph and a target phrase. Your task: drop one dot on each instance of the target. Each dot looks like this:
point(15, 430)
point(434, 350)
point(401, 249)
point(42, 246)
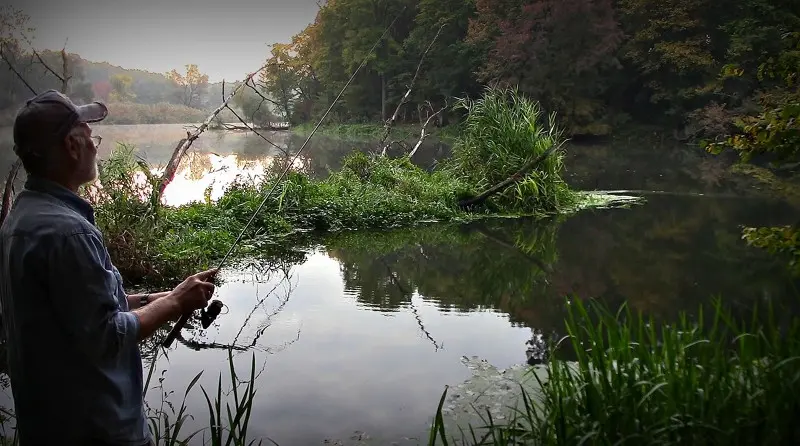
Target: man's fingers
point(206, 275)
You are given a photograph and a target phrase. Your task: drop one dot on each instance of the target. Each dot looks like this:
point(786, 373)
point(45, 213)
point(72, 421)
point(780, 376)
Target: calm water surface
point(359, 333)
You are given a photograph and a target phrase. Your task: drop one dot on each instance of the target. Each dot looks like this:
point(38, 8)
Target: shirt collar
point(60, 192)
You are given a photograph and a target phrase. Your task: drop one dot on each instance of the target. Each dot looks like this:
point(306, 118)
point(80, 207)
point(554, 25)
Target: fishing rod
point(215, 306)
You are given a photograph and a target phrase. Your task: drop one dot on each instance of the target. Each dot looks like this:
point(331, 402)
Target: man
point(72, 332)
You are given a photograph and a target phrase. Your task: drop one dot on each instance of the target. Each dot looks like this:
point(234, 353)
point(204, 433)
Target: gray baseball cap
point(47, 118)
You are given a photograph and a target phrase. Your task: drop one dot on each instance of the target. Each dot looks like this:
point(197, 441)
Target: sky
point(227, 39)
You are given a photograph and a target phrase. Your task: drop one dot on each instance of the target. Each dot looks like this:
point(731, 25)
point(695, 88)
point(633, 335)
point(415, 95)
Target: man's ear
point(72, 147)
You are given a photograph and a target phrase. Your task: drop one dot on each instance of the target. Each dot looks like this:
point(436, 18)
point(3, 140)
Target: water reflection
point(370, 326)
point(362, 330)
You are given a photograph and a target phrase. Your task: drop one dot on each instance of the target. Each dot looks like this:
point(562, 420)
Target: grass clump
point(716, 382)
point(502, 132)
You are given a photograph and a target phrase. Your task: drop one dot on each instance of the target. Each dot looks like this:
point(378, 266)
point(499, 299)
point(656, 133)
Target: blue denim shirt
point(73, 355)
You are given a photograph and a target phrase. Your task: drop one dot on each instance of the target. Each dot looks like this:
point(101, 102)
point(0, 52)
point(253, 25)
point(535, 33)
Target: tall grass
point(716, 382)
point(226, 425)
point(502, 131)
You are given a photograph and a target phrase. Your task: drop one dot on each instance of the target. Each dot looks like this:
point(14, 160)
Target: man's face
point(83, 153)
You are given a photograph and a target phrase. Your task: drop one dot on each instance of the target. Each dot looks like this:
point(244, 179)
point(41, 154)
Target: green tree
point(773, 132)
point(448, 69)
point(675, 47)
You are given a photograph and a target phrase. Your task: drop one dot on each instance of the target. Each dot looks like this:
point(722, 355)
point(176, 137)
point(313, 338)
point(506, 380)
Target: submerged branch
point(513, 247)
point(390, 122)
point(501, 186)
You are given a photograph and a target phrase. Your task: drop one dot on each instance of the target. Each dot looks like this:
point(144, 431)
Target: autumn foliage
point(597, 63)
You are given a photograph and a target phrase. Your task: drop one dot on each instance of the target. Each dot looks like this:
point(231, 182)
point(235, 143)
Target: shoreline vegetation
point(507, 170)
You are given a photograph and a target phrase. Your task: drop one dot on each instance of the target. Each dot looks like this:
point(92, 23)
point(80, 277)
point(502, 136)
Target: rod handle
point(176, 329)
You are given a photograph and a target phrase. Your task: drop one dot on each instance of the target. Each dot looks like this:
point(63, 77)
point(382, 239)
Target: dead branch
point(19, 76)
point(252, 129)
point(8, 191)
point(387, 128)
point(64, 77)
point(260, 303)
point(263, 98)
point(184, 144)
point(422, 133)
point(518, 175)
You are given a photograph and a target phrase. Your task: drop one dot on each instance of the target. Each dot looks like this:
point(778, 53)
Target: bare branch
point(390, 122)
point(65, 79)
point(422, 134)
point(62, 77)
point(184, 144)
point(263, 98)
point(249, 127)
point(11, 67)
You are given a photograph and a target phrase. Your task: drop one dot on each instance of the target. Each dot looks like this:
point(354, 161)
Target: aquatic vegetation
point(502, 135)
point(226, 425)
point(712, 380)
point(502, 132)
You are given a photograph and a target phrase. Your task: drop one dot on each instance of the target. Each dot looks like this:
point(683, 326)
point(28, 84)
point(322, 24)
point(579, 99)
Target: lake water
point(356, 336)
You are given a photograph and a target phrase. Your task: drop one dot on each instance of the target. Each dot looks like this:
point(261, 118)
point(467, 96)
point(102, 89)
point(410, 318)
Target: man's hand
point(195, 291)
point(191, 294)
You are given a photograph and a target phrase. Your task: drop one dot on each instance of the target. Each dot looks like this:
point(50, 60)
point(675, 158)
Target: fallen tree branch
point(499, 187)
point(184, 144)
point(387, 128)
point(252, 129)
point(422, 134)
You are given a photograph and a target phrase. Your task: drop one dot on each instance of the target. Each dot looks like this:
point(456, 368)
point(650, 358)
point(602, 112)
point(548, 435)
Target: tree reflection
point(662, 258)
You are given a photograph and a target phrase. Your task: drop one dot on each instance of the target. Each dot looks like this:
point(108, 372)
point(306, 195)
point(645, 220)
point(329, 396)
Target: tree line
point(689, 65)
point(26, 70)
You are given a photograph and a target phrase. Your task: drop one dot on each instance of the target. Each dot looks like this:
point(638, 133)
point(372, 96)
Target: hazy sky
point(225, 38)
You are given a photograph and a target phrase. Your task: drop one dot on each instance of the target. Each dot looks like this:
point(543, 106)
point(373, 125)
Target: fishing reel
point(209, 314)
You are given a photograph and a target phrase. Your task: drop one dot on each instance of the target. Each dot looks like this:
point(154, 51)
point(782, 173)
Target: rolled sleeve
point(85, 298)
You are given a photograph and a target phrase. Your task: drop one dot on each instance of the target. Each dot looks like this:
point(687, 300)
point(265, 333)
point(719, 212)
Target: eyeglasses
point(96, 140)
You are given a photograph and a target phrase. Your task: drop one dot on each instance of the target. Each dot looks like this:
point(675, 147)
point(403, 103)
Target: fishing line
point(215, 305)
